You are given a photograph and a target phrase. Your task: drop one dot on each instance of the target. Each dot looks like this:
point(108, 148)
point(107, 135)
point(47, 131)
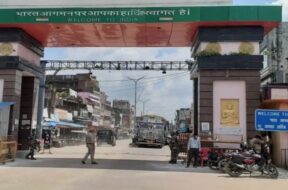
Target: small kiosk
point(7, 143)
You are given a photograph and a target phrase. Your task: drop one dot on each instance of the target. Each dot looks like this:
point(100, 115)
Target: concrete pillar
point(228, 74)
point(19, 60)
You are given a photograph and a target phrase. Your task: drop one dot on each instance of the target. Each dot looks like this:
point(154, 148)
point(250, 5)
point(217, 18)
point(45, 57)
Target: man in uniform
point(90, 143)
point(33, 145)
point(174, 147)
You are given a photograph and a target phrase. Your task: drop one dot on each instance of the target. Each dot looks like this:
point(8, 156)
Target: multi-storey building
point(122, 113)
point(275, 50)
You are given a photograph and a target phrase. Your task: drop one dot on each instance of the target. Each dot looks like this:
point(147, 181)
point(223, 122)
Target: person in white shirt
point(193, 149)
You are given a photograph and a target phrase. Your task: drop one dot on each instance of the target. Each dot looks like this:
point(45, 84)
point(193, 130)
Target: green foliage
point(210, 54)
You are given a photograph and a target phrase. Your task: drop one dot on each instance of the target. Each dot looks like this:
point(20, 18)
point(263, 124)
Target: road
point(121, 168)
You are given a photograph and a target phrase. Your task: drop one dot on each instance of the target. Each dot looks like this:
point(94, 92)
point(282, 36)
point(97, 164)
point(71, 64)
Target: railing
point(116, 65)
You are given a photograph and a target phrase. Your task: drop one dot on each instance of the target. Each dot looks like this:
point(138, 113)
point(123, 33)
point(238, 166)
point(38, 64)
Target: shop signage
point(271, 120)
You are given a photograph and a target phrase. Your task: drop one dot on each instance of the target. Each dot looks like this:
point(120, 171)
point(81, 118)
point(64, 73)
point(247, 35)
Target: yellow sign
point(6, 49)
point(230, 112)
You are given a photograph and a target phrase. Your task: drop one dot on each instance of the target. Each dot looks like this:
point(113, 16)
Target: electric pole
point(135, 95)
point(144, 103)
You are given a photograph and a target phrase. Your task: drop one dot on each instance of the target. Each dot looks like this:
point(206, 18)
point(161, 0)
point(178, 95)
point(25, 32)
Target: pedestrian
point(193, 149)
point(90, 143)
point(174, 147)
point(33, 145)
point(256, 143)
point(47, 142)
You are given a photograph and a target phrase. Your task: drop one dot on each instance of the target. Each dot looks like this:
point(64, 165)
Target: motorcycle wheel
point(272, 171)
point(234, 171)
point(212, 165)
point(222, 165)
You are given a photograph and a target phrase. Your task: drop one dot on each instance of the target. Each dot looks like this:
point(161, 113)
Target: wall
point(237, 90)
point(26, 111)
point(252, 80)
point(12, 93)
point(279, 139)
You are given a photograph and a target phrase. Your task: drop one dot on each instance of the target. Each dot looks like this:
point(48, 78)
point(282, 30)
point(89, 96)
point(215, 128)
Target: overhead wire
point(148, 83)
point(146, 78)
point(145, 81)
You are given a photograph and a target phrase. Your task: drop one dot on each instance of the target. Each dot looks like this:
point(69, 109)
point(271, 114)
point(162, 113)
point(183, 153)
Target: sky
point(163, 93)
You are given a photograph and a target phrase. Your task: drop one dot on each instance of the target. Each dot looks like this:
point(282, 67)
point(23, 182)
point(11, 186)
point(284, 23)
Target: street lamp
point(135, 95)
point(144, 102)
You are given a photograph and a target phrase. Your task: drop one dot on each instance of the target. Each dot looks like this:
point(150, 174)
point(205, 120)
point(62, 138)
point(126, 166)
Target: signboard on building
point(271, 120)
point(63, 115)
point(205, 126)
point(278, 93)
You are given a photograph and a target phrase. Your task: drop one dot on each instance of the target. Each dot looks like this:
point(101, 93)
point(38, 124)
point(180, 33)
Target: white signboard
point(278, 94)
point(205, 126)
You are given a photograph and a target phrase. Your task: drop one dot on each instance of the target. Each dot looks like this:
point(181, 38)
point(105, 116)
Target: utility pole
point(135, 95)
point(144, 102)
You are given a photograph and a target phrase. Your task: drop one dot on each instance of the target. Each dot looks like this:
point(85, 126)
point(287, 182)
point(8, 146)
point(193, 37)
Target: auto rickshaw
point(106, 135)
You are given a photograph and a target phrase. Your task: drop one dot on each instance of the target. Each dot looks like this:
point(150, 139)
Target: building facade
point(183, 119)
point(274, 48)
point(122, 112)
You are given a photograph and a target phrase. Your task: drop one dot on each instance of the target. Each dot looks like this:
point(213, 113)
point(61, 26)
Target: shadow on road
point(109, 164)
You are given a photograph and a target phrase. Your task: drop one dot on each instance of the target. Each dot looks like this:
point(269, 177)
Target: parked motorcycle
point(214, 157)
point(218, 160)
point(250, 162)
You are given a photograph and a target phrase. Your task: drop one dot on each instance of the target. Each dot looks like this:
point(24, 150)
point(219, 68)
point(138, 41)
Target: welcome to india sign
point(140, 15)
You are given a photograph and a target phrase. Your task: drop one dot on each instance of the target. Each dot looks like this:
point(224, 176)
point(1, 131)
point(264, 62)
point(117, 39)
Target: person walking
point(174, 147)
point(90, 143)
point(193, 149)
point(33, 145)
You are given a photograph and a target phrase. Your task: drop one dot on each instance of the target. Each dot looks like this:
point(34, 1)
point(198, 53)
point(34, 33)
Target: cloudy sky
point(163, 94)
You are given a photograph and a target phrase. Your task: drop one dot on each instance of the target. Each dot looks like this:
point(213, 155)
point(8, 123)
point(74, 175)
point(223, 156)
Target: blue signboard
point(271, 120)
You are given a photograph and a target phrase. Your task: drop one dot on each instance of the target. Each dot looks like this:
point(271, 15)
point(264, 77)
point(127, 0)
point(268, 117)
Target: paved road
point(121, 168)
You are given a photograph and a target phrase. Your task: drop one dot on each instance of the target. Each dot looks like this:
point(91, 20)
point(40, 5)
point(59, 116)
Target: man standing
point(193, 149)
point(174, 147)
point(90, 143)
